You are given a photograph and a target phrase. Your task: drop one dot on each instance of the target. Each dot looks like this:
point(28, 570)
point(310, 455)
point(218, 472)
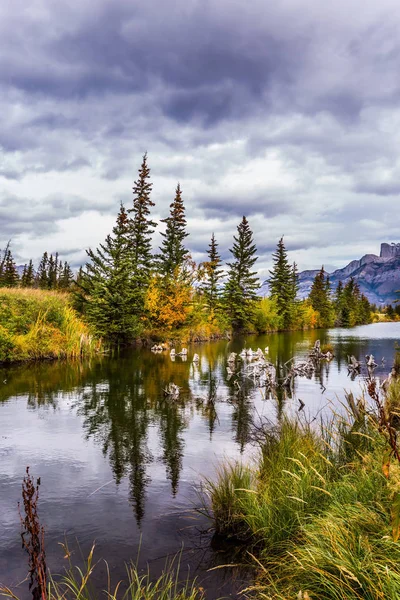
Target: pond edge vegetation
point(318, 514)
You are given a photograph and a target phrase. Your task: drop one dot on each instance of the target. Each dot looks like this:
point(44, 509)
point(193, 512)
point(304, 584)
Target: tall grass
point(318, 512)
point(78, 584)
point(37, 324)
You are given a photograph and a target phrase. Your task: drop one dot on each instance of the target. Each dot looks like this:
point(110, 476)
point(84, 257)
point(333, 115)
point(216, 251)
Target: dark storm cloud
point(249, 204)
point(209, 66)
point(286, 113)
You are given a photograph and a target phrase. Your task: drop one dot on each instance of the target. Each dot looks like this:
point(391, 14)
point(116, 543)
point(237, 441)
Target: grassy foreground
point(320, 512)
point(77, 584)
point(38, 324)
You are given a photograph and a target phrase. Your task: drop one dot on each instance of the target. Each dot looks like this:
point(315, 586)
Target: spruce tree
point(10, 277)
point(295, 281)
point(241, 288)
point(281, 284)
point(42, 278)
point(28, 276)
point(141, 227)
point(106, 292)
point(2, 262)
point(52, 272)
point(213, 275)
point(66, 276)
point(173, 252)
point(320, 298)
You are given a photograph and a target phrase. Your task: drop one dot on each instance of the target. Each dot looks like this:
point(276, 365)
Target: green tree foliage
point(8, 271)
point(28, 276)
point(351, 307)
point(65, 277)
point(42, 276)
point(141, 228)
point(241, 287)
point(283, 284)
point(173, 252)
point(3, 261)
point(212, 276)
point(52, 272)
point(320, 299)
point(106, 291)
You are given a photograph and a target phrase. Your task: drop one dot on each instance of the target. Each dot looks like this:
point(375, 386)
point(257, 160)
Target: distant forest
point(125, 290)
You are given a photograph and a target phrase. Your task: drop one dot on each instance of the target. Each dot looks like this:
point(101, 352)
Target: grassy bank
point(38, 324)
point(320, 511)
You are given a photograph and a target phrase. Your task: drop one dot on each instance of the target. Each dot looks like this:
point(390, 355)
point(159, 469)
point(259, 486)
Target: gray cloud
point(267, 109)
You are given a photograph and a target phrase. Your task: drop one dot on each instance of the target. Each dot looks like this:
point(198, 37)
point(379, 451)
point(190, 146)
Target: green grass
point(77, 584)
point(316, 510)
point(36, 324)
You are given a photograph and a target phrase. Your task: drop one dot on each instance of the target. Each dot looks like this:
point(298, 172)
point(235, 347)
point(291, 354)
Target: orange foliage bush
point(168, 302)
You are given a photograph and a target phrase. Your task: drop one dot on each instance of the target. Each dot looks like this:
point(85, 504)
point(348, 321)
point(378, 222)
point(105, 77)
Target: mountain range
point(377, 276)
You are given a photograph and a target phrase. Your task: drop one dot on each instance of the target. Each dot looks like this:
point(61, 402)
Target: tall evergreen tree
point(28, 276)
point(281, 284)
point(42, 278)
point(241, 287)
point(213, 275)
point(52, 272)
point(141, 227)
point(106, 291)
point(173, 252)
point(2, 262)
point(320, 298)
point(10, 277)
point(295, 282)
point(66, 276)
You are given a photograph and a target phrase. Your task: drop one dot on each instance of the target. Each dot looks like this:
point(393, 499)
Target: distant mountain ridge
point(377, 276)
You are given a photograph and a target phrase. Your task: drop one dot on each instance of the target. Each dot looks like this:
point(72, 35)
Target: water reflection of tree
point(43, 382)
point(172, 424)
point(115, 412)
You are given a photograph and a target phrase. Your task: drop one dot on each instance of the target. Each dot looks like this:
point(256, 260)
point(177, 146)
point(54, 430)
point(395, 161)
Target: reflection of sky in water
point(105, 423)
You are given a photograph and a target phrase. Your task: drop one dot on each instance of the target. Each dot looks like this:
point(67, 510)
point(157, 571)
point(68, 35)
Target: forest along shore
point(127, 292)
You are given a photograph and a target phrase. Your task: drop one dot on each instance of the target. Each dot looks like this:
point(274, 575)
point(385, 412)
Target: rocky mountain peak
point(389, 251)
point(377, 276)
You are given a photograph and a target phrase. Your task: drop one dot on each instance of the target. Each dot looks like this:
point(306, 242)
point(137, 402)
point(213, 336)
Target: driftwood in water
point(317, 354)
point(353, 363)
point(172, 391)
point(370, 361)
point(232, 358)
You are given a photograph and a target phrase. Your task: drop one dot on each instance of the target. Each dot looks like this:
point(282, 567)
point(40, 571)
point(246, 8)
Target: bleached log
point(353, 362)
point(369, 359)
point(172, 391)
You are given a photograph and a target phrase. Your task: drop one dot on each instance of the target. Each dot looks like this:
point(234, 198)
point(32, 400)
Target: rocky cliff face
point(377, 276)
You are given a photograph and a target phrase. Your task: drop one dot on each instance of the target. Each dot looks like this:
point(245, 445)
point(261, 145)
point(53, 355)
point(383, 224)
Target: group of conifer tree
point(125, 288)
point(345, 307)
point(51, 274)
point(113, 287)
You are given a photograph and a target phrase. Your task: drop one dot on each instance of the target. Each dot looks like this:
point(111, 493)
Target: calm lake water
point(120, 465)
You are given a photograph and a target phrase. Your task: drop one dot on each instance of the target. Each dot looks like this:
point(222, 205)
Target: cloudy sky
point(286, 111)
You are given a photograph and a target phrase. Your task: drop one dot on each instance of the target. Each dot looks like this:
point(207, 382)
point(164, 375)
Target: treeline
point(125, 290)
point(51, 274)
point(345, 307)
